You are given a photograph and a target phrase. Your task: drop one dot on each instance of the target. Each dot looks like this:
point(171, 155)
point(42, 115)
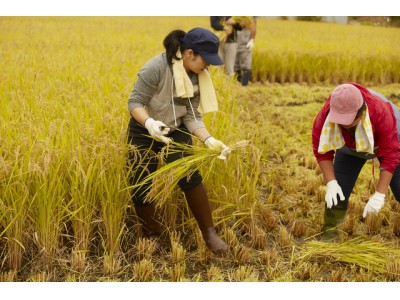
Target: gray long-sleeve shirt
point(154, 90)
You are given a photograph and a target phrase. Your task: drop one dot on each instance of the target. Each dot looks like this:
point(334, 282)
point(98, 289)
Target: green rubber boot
point(332, 219)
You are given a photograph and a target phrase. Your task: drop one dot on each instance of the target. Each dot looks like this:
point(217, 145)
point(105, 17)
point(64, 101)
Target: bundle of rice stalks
point(166, 178)
point(372, 256)
point(244, 22)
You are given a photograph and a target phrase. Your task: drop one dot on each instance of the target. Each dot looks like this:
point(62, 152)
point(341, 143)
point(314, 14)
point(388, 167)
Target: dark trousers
point(347, 169)
point(144, 161)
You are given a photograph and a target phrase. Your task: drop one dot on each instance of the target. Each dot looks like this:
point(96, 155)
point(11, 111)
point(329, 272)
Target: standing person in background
point(228, 41)
point(170, 95)
point(356, 124)
point(245, 40)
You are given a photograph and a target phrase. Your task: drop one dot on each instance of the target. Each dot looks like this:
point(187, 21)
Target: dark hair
point(172, 43)
point(361, 110)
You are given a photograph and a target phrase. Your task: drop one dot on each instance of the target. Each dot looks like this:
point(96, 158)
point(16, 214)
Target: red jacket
point(384, 128)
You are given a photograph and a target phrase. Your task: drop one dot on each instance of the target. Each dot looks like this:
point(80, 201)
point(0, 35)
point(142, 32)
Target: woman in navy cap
point(356, 124)
point(170, 95)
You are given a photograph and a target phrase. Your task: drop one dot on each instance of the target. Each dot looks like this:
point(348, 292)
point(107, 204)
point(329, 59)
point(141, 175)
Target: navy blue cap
point(205, 43)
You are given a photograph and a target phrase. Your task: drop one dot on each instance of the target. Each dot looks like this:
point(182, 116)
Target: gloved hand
point(334, 189)
point(212, 143)
point(157, 129)
point(250, 44)
point(374, 204)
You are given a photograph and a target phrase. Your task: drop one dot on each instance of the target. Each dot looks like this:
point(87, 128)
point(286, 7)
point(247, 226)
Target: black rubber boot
point(246, 77)
point(238, 75)
point(200, 207)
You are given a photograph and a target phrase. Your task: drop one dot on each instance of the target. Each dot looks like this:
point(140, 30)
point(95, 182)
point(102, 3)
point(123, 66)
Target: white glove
point(250, 44)
point(374, 204)
point(212, 143)
point(157, 129)
point(334, 189)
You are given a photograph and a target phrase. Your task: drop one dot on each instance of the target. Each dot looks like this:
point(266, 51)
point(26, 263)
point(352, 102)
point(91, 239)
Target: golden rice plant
point(374, 223)
point(240, 254)
point(215, 274)
point(298, 228)
point(9, 276)
point(114, 201)
point(203, 253)
point(362, 275)
point(143, 271)
point(177, 252)
point(284, 238)
point(39, 277)
point(268, 218)
point(258, 237)
point(307, 271)
point(84, 203)
point(78, 260)
point(269, 257)
point(111, 263)
point(244, 274)
point(49, 210)
point(177, 272)
point(337, 275)
point(396, 225)
point(393, 268)
point(13, 212)
point(231, 238)
point(145, 248)
point(349, 223)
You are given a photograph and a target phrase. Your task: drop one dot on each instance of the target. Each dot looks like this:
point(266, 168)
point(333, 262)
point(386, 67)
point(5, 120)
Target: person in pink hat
point(354, 125)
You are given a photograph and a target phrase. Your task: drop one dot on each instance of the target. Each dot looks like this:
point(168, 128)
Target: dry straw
point(369, 255)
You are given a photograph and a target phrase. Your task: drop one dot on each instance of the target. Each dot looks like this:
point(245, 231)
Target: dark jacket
point(217, 24)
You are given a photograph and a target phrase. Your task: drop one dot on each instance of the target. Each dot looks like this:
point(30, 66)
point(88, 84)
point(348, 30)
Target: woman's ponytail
point(172, 44)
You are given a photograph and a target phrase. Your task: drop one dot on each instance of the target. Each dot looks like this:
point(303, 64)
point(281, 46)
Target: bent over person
point(355, 124)
point(170, 95)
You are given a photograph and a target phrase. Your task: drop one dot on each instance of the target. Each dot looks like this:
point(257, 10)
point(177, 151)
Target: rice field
point(65, 209)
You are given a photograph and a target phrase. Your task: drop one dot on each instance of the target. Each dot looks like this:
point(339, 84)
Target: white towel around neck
point(184, 86)
point(331, 136)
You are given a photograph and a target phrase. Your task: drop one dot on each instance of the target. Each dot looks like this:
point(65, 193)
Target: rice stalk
point(177, 272)
point(374, 223)
point(166, 178)
point(215, 274)
point(240, 254)
point(143, 271)
point(178, 252)
point(203, 253)
point(9, 276)
point(145, 248)
point(39, 277)
point(396, 225)
point(244, 274)
point(258, 237)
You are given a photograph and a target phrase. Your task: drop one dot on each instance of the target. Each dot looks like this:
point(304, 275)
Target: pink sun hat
point(345, 102)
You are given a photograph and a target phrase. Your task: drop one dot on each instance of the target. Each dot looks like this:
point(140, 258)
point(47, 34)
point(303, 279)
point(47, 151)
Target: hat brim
point(212, 59)
point(341, 119)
